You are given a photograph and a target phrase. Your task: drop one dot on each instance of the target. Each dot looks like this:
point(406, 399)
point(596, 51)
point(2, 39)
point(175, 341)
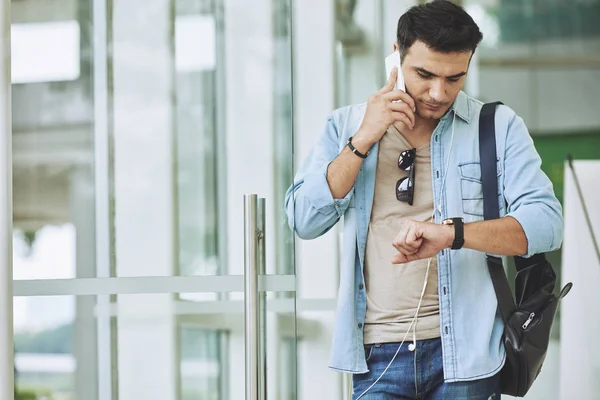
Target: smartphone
point(391, 61)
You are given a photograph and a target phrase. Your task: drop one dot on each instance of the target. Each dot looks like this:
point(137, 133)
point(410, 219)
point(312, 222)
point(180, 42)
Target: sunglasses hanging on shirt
point(405, 187)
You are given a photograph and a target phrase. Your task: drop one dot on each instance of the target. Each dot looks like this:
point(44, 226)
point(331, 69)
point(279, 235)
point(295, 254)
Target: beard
point(424, 112)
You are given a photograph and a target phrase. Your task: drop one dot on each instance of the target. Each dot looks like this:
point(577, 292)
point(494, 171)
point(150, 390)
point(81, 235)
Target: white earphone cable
point(413, 324)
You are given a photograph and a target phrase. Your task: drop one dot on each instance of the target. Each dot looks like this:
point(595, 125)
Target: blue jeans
point(416, 375)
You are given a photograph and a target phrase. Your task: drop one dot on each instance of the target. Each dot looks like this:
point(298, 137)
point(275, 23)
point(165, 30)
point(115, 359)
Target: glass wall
point(53, 185)
point(138, 126)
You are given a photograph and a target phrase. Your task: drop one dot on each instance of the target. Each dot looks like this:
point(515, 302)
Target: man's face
point(433, 79)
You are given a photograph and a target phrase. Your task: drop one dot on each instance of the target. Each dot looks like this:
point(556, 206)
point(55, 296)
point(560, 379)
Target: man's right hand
point(383, 110)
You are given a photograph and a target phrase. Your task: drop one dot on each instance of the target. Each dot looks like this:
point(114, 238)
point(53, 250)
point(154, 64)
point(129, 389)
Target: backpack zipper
point(526, 324)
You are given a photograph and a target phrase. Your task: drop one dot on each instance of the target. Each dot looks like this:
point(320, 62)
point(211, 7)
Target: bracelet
point(358, 153)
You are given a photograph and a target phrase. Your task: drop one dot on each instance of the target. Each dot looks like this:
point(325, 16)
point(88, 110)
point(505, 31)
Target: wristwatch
point(459, 232)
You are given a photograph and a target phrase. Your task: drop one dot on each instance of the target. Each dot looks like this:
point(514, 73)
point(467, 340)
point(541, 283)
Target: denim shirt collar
point(461, 107)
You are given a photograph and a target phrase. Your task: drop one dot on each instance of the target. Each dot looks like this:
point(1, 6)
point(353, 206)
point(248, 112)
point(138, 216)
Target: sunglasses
point(405, 187)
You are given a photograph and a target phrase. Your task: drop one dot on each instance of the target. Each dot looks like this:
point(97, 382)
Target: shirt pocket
point(472, 188)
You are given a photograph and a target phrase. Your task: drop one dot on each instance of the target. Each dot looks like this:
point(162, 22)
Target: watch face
point(450, 221)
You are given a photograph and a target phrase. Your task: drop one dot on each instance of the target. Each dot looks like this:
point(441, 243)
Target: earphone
point(413, 346)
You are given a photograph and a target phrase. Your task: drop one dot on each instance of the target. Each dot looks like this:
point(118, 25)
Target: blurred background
point(138, 126)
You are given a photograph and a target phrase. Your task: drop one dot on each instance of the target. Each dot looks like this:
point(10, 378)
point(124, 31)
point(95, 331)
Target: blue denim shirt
point(470, 326)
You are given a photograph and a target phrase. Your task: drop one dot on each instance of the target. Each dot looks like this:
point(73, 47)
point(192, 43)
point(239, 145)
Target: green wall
point(554, 149)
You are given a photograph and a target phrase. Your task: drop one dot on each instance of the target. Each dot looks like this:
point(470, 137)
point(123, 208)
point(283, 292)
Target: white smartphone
point(391, 61)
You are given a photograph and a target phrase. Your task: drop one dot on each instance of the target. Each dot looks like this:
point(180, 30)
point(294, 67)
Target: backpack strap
point(489, 179)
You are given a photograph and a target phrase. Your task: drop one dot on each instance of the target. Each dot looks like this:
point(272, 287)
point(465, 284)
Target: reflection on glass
point(197, 116)
point(200, 364)
point(552, 23)
point(52, 348)
point(52, 117)
point(46, 253)
point(35, 56)
point(53, 191)
point(158, 69)
point(288, 377)
point(282, 133)
point(547, 20)
point(196, 129)
point(44, 355)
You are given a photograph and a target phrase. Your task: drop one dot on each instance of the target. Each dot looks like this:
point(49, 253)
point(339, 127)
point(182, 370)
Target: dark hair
point(442, 25)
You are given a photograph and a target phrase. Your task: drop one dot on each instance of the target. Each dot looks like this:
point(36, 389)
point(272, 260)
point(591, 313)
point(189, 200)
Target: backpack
point(528, 320)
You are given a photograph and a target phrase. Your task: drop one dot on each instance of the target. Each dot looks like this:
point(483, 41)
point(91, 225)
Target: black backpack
point(528, 322)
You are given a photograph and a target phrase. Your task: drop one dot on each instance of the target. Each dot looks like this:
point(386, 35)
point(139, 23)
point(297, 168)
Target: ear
point(395, 46)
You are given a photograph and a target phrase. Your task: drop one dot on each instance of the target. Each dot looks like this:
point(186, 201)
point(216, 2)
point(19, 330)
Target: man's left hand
point(421, 240)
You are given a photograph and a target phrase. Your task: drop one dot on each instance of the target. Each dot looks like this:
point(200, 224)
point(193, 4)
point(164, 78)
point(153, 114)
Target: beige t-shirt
point(393, 290)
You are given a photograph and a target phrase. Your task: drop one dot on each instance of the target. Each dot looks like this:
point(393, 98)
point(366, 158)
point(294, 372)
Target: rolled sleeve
point(320, 197)
point(529, 192)
point(540, 239)
point(310, 206)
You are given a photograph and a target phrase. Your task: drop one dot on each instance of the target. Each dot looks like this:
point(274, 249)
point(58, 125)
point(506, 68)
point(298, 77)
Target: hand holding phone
point(389, 105)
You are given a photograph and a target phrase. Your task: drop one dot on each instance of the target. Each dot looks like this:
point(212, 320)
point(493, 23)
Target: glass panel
point(82, 347)
point(556, 19)
point(197, 110)
point(225, 117)
point(536, 27)
point(44, 347)
point(282, 132)
point(132, 151)
point(288, 376)
point(200, 352)
point(53, 143)
point(141, 146)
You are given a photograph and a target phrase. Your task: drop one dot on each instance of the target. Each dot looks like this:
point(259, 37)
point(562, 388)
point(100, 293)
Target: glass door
point(152, 148)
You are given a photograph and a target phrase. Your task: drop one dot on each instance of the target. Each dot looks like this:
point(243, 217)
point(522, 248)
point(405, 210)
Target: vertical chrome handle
point(262, 302)
point(255, 301)
point(251, 296)
point(347, 386)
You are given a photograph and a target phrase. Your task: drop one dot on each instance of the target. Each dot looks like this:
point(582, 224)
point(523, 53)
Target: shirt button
point(360, 287)
point(360, 325)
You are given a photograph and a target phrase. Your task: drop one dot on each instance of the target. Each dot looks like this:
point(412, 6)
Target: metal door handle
point(262, 302)
point(254, 302)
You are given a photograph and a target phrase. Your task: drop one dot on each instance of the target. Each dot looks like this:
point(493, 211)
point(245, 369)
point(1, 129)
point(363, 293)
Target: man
point(396, 168)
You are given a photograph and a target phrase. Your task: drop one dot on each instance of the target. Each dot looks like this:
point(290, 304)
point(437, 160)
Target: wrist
point(361, 142)
point(450, 233)
point(456, 237)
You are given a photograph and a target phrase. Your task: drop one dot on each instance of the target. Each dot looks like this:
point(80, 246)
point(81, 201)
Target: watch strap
point(459, 233)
